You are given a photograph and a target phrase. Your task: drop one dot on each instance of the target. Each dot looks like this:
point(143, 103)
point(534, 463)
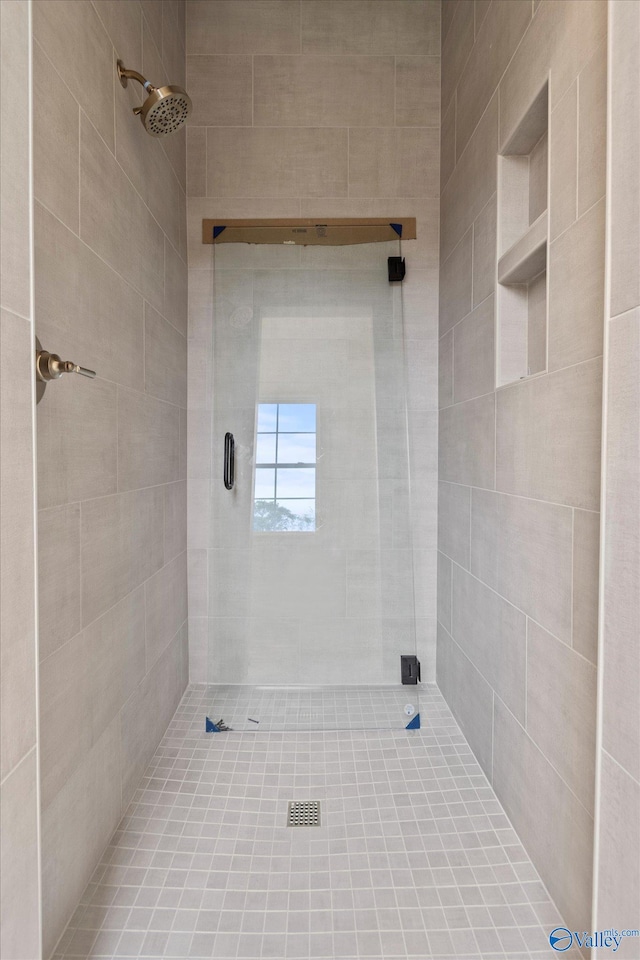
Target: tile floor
point(414, 856)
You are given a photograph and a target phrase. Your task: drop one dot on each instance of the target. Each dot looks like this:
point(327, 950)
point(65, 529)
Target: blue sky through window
point(285, 481)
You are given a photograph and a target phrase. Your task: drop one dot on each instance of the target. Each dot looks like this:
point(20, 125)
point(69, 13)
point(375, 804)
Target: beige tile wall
point(110, 293)
point(321, 108)
point(618, 805)
point(520, 466)
point(20, 932)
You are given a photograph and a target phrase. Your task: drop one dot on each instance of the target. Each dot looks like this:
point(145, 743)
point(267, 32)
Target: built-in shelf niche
point(522, 238)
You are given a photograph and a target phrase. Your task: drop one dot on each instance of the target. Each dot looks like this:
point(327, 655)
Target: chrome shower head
point(165, 109)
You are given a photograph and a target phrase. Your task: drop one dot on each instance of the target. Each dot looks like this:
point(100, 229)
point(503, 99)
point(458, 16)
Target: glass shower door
point(311, 600)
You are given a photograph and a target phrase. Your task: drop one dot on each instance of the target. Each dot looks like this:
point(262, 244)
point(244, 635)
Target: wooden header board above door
point(332, 232)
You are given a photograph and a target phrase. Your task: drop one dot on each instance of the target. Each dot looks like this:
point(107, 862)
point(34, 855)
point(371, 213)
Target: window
point(285, 485)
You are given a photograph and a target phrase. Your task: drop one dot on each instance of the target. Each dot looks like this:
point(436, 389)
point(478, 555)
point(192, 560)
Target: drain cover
point(303, 813)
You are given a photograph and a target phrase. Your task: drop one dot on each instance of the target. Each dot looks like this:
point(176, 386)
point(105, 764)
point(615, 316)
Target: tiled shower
point(461, 481)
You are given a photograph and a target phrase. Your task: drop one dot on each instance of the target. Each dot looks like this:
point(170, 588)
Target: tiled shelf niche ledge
point(521, 310)
point(528, 256)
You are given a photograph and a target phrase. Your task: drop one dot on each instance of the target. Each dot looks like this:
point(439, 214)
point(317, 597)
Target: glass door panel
point(311, 599)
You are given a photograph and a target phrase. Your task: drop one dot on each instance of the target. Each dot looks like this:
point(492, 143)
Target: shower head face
point(165, 110)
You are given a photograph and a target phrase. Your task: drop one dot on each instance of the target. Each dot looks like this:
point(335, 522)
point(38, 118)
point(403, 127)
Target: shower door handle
point(229, 461)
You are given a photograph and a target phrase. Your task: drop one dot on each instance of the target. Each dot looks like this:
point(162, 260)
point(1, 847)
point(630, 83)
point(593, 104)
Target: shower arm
point(125, 75)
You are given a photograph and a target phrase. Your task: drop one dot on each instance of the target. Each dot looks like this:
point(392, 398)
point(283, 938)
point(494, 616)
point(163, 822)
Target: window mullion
point(275, 474)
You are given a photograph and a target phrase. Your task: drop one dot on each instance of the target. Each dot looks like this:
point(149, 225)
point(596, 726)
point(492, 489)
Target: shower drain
point(303, 813)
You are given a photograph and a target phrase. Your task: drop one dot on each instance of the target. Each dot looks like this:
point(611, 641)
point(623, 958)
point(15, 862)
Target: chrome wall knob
point(49, 366)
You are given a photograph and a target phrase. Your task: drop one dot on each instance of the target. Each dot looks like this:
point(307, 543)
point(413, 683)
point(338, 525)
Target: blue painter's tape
point(414, 723)
point(217, 231)
point(210, 726)
point(397, 227)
